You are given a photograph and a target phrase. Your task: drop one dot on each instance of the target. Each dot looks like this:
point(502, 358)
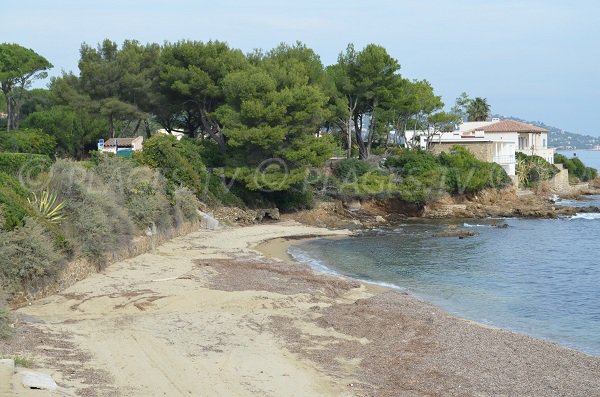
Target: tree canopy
point(19, 66)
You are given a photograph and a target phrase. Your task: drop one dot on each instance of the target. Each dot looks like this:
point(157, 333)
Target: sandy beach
point(209, 314)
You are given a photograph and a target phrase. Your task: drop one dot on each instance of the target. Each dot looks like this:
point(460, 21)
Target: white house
point(113, 145)
point(494, 141)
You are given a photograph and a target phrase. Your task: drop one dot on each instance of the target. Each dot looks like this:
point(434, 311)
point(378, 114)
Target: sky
point(535, 59)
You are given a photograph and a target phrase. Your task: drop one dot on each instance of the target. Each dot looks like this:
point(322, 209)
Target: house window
point(544, 143)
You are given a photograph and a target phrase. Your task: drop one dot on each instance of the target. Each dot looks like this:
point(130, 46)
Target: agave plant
point(47, 206)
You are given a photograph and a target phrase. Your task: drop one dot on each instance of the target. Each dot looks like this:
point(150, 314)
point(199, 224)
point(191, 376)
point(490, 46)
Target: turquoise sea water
point(540, 277)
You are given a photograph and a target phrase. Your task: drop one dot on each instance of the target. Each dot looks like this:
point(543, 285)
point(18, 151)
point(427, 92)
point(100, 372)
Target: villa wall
point(483, 151)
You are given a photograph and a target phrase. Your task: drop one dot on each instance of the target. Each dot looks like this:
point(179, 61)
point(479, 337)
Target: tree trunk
point(362, 150)
point(111, 127)
point(147, 128)
point(353, 105)
point(371, 131)
point(13, 116)
point(349, 138)
point(213, 129)
point(8, 112)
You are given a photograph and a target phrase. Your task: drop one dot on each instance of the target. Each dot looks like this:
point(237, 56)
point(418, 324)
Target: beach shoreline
point(210, 313)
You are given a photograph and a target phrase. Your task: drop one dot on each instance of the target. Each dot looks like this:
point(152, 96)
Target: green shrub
point(421, 177)
point(219, 193)
point(13, 198)
point(187, 203)
point(27, 254)
point(293, 199)
point(141, 190)
point(147, 204)
point(413, 162)
point(532, 170)
point(369, 184)
point(350, 169)
point(576, 167)
point(467, 174)
point(179, 162)
point(25, 165)
point(98, 221)
point(5, 329)
point(27, 141)
point(323, 185)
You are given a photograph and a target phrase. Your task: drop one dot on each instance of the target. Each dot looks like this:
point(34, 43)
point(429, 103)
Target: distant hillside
point(559, 138)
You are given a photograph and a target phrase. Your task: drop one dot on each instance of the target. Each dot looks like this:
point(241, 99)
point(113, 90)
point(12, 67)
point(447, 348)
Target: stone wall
point(483, 151)
point(560, 181)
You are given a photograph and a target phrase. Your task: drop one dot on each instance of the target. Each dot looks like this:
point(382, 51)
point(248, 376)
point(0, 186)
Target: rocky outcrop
point(238, 216)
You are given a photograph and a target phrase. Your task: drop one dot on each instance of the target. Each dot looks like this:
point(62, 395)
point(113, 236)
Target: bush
point(412, 162)
point(97, 220)
point(24, 164)
point(467, 174)
point(27, 254)
point(13, 199)
point(577, 168)
point(293, 199)
point(5, 330)
point(532, 170)
point(141, 190)
point(421, 177)
point(178, 161)
point(369, 184)
point(187, 203)
point(27, 141)
point(323, 185)
point(350, 169)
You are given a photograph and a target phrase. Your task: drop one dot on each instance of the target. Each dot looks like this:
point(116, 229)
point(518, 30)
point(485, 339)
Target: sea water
point(539, 277)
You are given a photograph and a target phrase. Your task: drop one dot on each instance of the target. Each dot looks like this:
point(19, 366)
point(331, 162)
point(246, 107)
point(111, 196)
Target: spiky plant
point(47, 206)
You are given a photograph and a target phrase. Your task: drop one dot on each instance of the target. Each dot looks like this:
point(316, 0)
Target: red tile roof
point(510, 126)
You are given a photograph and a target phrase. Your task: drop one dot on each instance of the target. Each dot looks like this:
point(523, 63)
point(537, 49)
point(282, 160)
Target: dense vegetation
point(577, 170)
point(533, 170)
point(100, 206)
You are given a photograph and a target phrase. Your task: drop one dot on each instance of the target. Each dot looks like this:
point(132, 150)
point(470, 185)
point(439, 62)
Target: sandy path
point(149, 326)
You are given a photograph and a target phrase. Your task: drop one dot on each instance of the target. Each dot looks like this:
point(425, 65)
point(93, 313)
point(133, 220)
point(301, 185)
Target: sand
point(209, 315)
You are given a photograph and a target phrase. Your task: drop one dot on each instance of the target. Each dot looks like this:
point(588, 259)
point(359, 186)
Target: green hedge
point(350, 169)
point(13, 199)
point(27, 141)
point(534, 169)
point(576, 168)
point(467, 174)
point(26, 164)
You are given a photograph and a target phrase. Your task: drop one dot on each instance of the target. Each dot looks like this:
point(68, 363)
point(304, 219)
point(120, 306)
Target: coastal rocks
point(453, 231)
point(207, 221)
point(444, 211)
point(353, 205)
point(238, 216)
point(37, 380)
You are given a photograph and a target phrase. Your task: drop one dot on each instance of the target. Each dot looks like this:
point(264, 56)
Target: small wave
point(320, 267)
point(384, 284)
point(588, 216)
point(475, 225)
point(310, 261)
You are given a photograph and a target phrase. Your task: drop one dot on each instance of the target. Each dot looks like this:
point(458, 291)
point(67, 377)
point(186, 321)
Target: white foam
point(475, 225)
point(588, 216)
point(322, 268)
point(312, 262)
